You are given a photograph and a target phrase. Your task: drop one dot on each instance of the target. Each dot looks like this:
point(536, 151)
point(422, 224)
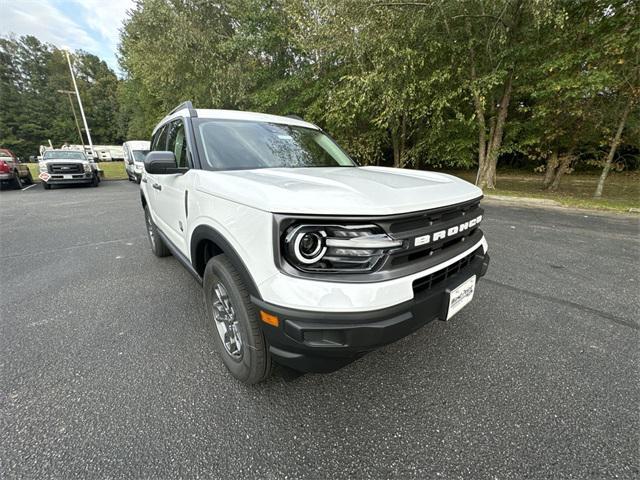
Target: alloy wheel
point(226, 321)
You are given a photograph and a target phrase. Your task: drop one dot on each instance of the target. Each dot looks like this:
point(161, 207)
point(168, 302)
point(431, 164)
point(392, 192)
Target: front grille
point(65, 168)
point(430, 281)
point(428, 223)
point(431, 217)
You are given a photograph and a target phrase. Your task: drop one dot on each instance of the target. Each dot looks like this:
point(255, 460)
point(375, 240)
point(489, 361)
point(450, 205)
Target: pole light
point(84, 119)
point(75, 117)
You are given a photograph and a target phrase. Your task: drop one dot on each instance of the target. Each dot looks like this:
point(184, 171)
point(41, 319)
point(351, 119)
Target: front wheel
point(45, 185)
point(96, 181)
point(232, 320)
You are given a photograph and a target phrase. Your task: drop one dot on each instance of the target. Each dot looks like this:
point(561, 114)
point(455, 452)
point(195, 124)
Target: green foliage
point(33, 111)
point(399, 83)
point(406, 83)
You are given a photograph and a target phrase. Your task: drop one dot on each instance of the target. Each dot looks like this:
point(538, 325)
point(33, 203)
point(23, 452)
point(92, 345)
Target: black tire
point(158, 246)
point(17, 182)
point(29, 178)
point(96, 181)
point(252, 364)
point(46, 186)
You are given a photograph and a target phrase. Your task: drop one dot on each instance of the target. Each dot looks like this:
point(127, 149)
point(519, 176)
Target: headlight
point(336, 248)
point(42, 166)
point(87, 167)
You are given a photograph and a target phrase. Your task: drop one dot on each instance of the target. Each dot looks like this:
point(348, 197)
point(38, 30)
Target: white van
point(134, 153)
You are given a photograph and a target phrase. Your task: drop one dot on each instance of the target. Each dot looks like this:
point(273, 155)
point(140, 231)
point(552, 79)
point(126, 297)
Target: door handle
point(144, 179)
point(157, 186)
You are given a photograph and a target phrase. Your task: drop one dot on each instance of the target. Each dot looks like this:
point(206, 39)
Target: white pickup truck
point(67, 167)
point(305, 257)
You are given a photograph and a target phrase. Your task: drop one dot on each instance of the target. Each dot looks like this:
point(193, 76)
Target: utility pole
point(75, 117)
point(84, 119)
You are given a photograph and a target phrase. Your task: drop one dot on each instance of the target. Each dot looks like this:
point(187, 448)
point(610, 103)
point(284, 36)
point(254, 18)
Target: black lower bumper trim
point(323, 342)
point(70, 181)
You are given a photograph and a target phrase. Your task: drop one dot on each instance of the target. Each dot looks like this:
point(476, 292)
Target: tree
point(403, 83)
point(619, 33)
point(34, 111)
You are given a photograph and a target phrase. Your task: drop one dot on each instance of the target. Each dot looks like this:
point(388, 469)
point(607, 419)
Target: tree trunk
point(479, 108)
point(552, 167)
point(565, 163)
point(395, 142)
point(612, 150)
point(487, 179)
point(487, 149)
point(482, 138)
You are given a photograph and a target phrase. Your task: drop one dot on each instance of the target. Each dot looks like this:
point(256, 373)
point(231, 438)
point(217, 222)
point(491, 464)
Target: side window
point(178, 143)
point(159, 142)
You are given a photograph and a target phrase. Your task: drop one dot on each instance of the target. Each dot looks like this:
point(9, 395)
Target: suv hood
point(338, 190)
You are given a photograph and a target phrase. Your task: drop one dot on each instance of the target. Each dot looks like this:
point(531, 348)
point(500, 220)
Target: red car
point(12, 171)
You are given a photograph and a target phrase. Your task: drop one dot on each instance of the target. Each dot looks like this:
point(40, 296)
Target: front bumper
point(323, 342)
point(76, 178)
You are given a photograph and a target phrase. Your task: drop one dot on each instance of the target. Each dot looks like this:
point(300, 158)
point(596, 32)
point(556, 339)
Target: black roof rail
point(188, 105)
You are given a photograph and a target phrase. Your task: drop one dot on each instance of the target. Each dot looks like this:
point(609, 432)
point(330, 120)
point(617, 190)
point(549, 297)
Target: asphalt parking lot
point(107, 370)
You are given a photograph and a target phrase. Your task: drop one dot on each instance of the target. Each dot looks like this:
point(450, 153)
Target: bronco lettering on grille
point(442, 234)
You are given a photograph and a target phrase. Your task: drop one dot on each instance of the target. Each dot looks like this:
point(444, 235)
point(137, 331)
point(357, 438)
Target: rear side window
point(177, 143)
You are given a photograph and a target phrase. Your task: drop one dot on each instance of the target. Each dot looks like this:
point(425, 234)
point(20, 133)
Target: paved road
point(106, 369)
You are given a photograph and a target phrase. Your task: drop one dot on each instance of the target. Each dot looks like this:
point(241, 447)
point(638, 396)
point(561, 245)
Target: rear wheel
point(233, 322)
point(158, 247)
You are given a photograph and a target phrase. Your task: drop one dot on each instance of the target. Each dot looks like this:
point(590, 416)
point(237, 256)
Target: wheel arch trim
point(208, 233)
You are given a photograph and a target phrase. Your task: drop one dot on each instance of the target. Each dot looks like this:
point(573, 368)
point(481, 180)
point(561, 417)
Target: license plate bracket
point(458, 297)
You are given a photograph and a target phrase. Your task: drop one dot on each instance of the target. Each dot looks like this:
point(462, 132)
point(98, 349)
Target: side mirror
point(161, 163)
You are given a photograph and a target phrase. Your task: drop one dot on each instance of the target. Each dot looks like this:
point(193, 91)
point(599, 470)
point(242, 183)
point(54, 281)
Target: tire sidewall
point(149, 224)
point(250, 368)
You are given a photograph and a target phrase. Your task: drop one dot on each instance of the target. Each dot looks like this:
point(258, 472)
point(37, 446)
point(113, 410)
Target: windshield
point(138, 155)
point(64, 154)
point(236, 145)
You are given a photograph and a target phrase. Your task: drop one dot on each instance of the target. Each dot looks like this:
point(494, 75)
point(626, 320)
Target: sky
point(90, 25)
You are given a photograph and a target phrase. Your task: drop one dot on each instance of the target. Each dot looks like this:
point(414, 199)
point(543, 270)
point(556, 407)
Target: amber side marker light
point(268, 318)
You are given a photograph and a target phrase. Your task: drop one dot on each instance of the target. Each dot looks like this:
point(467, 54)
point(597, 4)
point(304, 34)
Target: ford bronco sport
point(305, 257)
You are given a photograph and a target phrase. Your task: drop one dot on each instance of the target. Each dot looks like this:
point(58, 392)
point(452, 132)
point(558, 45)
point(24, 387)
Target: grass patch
point(621, 190)
point(112, 170)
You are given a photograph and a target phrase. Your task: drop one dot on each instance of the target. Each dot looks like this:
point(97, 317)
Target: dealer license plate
point(460, 296)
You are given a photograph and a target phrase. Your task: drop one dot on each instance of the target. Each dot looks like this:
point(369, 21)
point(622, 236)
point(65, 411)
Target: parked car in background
point(65, 167)
point(12, 170)
point(134, 152)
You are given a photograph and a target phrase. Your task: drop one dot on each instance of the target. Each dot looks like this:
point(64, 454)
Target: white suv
point(305, 257)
